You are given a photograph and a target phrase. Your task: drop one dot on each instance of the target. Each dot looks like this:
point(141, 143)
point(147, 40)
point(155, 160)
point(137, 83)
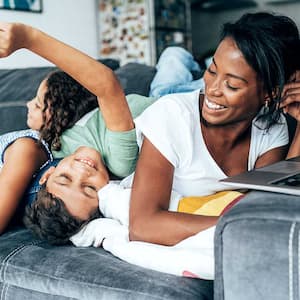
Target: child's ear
point(46, 175)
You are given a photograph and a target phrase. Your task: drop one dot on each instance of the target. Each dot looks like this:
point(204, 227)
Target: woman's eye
point(230, 86)
point(211, 71)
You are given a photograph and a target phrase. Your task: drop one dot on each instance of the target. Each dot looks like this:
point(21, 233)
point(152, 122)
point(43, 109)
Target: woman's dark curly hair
point(67, 101)
point(270, 44)
point(48, 218)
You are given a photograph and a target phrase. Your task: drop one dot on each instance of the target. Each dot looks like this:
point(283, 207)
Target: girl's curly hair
point(66, 101)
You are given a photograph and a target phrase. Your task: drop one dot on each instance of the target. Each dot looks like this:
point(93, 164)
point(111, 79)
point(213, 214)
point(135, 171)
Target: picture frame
point(34, 6)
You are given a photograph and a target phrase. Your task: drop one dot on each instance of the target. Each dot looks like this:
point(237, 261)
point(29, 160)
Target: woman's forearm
point(168, 228)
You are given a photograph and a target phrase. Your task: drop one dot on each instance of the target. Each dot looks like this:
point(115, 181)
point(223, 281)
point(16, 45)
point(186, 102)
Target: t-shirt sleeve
point(121, 152)
point(277, 136)
point(114, 201)
point(168, 127)
point(264, 141)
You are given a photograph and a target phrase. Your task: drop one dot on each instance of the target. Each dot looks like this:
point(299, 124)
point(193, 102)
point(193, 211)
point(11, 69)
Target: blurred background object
point(139, 30)
point(220, 5)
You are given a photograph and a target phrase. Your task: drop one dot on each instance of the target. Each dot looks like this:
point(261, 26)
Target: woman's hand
point(291, 98)
point(13, 36)
point(291, 106)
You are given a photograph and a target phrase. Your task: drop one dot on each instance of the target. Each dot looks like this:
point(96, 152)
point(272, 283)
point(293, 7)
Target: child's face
point(76, 181)
point(35, 108)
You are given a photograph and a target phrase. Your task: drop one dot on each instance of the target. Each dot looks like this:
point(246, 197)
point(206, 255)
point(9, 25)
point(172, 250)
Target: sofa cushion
point(136, 78)
point(257, 248)
point(31, 267)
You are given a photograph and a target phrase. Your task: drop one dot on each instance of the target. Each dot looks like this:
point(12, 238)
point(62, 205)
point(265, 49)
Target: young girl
point(59, 103)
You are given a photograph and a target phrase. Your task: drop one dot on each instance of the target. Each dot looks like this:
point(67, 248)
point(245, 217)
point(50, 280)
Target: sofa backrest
point(17, 86)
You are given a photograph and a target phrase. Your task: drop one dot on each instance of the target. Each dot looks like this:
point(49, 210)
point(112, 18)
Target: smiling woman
point(207, 136)
point(24, 5)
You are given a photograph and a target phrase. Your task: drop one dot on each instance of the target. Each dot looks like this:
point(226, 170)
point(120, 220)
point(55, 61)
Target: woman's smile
point(213, 105)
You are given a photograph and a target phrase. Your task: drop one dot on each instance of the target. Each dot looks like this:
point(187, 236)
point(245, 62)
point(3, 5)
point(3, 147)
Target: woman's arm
point(295, 145)
point(96, 77)
point(150, 220)
point(21, 160)
point(272, 156)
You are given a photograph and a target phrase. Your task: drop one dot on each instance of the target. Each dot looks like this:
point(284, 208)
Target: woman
point(233, 126)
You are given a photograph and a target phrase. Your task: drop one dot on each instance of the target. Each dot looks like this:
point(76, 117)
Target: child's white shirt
point(114, 200)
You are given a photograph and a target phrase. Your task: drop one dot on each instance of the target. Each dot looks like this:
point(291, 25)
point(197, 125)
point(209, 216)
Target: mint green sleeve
point(71, 140)
point(121, 152)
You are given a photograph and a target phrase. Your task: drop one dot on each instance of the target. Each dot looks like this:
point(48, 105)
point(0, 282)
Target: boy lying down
point(100, 217)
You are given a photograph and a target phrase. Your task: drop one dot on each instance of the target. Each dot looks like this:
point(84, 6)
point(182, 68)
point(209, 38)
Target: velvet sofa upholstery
point(34, 270)
point(257, 249)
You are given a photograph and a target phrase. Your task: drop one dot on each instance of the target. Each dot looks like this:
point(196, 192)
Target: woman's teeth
point(212, 105)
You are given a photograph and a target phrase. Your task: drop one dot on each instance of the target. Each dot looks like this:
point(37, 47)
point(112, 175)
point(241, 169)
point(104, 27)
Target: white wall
point(74, 22)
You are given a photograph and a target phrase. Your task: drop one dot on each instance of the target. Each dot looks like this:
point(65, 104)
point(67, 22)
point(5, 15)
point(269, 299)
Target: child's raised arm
point(96, 77)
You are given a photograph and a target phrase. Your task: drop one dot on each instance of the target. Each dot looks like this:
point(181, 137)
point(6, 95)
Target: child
point(58, 219)
point(49, 113)
point(55, 216)
point(60, 102)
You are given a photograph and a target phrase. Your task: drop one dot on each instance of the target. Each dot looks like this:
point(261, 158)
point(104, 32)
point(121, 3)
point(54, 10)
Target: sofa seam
point(290, 255)
point(222, 268)
point(4, 292)
point(298, 262)
point(5, 261)
point(12, 104)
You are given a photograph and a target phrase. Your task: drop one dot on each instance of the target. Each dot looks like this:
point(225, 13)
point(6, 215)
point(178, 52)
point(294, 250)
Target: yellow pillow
point(211, 205)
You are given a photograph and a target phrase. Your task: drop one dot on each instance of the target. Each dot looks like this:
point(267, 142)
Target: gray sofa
point(32, 269)
point(258, 249)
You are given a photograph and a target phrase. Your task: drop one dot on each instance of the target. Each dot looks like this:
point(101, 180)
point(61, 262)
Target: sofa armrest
point(257, 249)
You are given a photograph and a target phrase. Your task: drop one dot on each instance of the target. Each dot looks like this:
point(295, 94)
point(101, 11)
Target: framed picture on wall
point(22, 5)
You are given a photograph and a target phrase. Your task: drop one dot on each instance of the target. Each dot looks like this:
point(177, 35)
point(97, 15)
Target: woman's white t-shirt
point(172, 125)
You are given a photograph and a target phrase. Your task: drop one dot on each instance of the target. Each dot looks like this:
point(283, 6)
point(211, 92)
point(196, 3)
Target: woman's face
point(233, 93)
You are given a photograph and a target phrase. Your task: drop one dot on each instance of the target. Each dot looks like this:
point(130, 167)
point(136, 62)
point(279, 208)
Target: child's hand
point(13, 36)
point(291, 98)
point(96, 231)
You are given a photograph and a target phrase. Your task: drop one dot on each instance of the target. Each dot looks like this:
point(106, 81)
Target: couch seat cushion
point(31, 267)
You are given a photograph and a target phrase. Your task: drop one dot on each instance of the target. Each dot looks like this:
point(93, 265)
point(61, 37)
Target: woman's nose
point(215, 88)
